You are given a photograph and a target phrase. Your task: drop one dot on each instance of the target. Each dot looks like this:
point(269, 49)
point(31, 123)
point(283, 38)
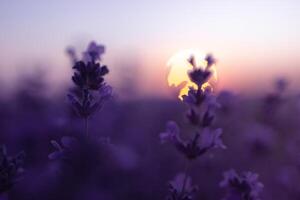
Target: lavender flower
point(11, 168)
point(199, 75)
point(241, 187)
point(89, 76)
point(91, 89)
point(210, 60)
point(90, 103)
point(181, 188)
point(195, 147)
point(201, 114)
point(93, 52)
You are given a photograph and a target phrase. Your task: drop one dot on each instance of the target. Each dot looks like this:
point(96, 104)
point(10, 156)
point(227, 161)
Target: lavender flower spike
point(241, 187)
point(90, 90)
point(93, 52)
point(181, 188)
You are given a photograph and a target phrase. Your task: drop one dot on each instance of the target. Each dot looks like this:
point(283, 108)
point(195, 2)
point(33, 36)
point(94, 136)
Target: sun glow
point(179, 67)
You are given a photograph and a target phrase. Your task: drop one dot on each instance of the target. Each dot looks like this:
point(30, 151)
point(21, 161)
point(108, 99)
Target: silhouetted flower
point(89, 76)
point(199, 76)
point(181, 188)
point(194, 97)
point(241, 187)
point(89, 104)
point(201, 114)
point(210, 60)
point(11, 169)
point(197, 97)
point(202, 142)
point(91, 89)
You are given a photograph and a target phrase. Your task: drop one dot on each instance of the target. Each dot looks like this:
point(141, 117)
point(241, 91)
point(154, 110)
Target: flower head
point(242, 187)
point(89, 80)
point(181, 188)
point(210, 60)
point(193, 148)
point(89, 76)
point(93, 52)
point(199, 76)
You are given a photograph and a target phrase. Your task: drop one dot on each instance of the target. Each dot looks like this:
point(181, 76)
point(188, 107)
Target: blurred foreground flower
point(241, 187)
point(11, 168)
point(181, 188)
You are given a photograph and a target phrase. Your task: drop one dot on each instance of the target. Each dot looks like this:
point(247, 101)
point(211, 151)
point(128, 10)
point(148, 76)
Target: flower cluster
point(181, 188)
point(91, 90)
point(241, 187)
point(10, 169)
point(198, 145)
point(201, 114)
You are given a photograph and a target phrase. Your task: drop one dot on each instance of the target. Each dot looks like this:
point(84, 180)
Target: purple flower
point(181, 188)
point(89, 76)
point(92, 91)
point(194, 97)
point(198, 145)
point(93, 52)
point(210, 60)
point(211, 139)
point(199, 76)
point(64, 149)
point(171, 133)
point(11, 168)
point(197, 97)
point(241, 187)
point(201, 114)
point(85, 107)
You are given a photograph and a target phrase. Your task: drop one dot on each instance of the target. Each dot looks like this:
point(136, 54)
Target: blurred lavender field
point(116, 153)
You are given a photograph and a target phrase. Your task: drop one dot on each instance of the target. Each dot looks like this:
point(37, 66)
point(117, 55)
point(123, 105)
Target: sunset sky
point(254, 41)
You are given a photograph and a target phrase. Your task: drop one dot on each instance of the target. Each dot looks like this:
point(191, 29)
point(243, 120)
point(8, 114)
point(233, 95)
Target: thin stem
point(86, 123)
point(185, 177)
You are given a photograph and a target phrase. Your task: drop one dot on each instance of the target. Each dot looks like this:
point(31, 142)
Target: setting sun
point(179, 67)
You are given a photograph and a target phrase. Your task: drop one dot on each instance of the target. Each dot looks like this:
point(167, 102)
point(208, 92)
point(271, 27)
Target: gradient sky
point(255, 41)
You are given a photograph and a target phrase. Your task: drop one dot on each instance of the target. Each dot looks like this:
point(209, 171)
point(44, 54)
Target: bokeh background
point(256, 44)
point(253, 40)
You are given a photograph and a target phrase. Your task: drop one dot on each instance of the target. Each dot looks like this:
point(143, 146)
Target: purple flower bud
point(93, 52)
point(210, 60)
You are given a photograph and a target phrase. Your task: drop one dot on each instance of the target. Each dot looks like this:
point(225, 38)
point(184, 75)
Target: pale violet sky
point(254, 40)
